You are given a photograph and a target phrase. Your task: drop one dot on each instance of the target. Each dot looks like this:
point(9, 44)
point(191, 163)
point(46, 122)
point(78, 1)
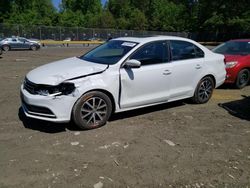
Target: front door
point(150, 83)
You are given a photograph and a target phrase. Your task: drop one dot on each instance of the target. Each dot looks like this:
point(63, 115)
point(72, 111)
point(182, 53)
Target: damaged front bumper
point(48, 108)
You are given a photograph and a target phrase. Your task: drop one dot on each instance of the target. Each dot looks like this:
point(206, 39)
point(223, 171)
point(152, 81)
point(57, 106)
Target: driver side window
point(152, 53)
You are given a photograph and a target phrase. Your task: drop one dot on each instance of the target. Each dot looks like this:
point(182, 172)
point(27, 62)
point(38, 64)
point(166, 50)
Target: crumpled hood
point(59, 71)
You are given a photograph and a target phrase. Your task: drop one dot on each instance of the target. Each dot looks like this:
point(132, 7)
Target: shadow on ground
point(44, 126)
point(147, 110)
point(239, 108)
point(52, 128)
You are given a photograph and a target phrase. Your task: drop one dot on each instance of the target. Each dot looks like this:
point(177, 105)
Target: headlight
point(231, 64)
point(62, 89)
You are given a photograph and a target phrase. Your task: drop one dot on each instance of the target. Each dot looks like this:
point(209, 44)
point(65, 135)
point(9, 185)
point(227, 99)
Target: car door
point(13, 43)
point(187, 63)
point(23, 43)
point(149, 83)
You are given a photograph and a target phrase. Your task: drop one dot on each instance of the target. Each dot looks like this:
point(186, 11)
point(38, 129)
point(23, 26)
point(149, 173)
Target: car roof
point(149, 39)
point(241, 40)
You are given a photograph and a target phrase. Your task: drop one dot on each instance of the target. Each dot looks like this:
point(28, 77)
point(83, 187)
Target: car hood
point(34, 41)
point(229, 58)
point(59, 71)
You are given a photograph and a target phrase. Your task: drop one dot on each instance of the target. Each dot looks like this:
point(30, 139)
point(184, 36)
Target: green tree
point(32, 12)
point(5, 9)
point(85, 6)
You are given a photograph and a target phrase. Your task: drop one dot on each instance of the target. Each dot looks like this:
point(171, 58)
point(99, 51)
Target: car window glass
point(22, 40)
point(182, 50)
point(234, 48)
point(110, 52)
point(152, 53)
point(198, 52)
point(13, 40)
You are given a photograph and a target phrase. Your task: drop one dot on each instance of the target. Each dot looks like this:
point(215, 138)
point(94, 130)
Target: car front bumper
point(49, 108)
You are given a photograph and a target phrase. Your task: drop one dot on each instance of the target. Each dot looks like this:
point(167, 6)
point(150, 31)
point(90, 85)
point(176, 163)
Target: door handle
point(198, 66)
point(167, 72)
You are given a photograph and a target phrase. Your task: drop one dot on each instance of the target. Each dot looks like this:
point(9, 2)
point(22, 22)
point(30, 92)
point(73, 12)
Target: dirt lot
point(173, 145)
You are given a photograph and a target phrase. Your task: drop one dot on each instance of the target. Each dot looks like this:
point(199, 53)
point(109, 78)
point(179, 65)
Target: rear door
point(150, 83)
point(187, 63)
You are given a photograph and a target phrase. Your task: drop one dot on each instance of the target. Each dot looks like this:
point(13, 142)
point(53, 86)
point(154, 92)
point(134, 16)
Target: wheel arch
point(5, 45)
point(207, 75)
point(111, 97)
point(211, 76)
point(241, 69)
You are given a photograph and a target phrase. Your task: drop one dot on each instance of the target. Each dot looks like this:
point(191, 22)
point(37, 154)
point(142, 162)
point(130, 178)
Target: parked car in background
point(237, 59)
point(68, 39)
point(122, 74)
point(19, 43)
point(1, 51)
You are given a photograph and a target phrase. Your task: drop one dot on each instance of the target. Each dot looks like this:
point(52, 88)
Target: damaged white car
point(122, 74)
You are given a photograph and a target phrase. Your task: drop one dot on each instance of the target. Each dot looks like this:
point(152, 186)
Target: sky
point(57, 2)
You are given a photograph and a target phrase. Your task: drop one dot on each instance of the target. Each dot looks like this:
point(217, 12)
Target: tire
point(92, 110)
point(6, 47)
point(203, 91)
point(33, 48)
point(242, 78)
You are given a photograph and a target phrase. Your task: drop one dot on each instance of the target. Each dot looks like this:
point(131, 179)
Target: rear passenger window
point(198, 52)
point(182, 50)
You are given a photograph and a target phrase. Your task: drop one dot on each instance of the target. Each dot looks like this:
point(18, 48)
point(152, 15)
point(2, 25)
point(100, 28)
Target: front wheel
point(92, 110)
point(204, 90)
point(33, 47)
point(242, 78)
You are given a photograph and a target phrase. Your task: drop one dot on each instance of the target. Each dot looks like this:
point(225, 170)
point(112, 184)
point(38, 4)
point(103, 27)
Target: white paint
point(139, 87)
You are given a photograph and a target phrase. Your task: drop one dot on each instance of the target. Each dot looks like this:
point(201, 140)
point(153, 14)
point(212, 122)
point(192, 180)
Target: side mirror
point(132, 63)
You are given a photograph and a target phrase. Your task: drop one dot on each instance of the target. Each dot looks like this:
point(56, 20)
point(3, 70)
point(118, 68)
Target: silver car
point(18, 43)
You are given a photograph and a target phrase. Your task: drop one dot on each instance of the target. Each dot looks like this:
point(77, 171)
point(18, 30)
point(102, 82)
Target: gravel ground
point(172, 145)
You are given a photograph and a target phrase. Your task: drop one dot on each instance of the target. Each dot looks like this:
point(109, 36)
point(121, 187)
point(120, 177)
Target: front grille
point(30, 86)
point(38, 110)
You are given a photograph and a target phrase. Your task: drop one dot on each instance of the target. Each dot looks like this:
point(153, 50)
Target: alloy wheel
point(244, 77)
point(94, 111)
point(205, 90)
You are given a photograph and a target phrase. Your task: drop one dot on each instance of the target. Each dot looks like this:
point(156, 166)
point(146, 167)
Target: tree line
point(216, 16)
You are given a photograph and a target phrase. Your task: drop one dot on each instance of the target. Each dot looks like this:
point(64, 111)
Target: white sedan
point(122, 74)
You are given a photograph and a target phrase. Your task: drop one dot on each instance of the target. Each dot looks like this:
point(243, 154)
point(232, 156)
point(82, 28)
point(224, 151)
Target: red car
point(237, 59)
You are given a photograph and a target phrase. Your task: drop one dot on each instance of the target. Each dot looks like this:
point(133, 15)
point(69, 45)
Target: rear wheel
point(242, 78)
point(6, 48)
point(204, 90)
point(92, 110)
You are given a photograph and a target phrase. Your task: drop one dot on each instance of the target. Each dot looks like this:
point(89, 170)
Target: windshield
point(233, 48)
point(109, 53)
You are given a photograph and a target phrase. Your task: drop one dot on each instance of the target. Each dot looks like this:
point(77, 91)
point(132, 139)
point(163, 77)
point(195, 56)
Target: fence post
point(60, 33)
point(18, 30)
point(77, 35)
point(40, 33)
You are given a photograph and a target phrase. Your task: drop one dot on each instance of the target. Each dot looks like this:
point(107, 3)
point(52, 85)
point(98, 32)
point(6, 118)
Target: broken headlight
point(62, 89)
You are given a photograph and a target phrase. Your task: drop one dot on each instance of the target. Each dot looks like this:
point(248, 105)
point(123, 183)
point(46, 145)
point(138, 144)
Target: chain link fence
point(74, 33)
point(83, 34)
